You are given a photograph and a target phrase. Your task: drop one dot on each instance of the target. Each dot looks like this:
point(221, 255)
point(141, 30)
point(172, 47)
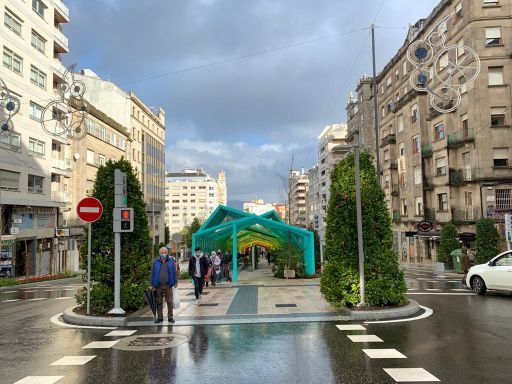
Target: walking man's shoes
point(171, 320)
point(159, 320)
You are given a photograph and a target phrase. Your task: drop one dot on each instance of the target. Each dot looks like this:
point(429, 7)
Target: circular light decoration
point(9, 107)
point(454, 66)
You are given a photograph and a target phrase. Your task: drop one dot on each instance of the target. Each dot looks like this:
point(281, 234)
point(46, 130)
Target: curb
point(37, 282)
point(390, 313)
point(71, 317)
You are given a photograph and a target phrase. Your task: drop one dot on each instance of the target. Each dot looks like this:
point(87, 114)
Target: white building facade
point(192, 194)
point(257, 206)
point(34, 166)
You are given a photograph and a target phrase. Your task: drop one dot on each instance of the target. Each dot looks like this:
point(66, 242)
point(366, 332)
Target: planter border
point(387, 313)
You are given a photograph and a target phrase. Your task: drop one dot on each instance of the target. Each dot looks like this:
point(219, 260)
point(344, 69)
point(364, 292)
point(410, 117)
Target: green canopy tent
point(229, 228)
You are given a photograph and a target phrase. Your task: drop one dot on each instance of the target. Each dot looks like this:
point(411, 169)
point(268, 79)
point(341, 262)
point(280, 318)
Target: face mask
point(163, 255)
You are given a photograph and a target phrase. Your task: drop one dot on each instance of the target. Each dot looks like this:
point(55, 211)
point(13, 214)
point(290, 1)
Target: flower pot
point(440, 266)
point(289, 273)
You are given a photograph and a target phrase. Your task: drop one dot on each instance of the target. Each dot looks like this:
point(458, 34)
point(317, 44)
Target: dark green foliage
point(288, 256)
point(167, 235)
point(448, 243)
point(184, 275)
point(136, 248)
point(487, 241)
point(189, 230)
point(385, 283)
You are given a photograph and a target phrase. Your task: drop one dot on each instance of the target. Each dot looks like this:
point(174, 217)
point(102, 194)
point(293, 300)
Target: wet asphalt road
point(468, 339)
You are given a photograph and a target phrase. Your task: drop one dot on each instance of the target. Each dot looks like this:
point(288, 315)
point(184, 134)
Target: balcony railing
point(466, 215)
point(426, 150)
point(61, 8)
point(62, 164)
point(60, 197)
point(393, 164)
point(61, 39)
point(396, 216)
point(460, 137)
point(428, 184)
point(462, 176)
point(389, 139)
point(394, 190)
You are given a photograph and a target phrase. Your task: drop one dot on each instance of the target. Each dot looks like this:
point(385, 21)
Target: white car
point(496, 274)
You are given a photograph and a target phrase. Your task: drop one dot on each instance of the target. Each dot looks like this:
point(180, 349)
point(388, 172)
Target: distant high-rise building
point(258, 207)
point(192, 194)
point(298, 189)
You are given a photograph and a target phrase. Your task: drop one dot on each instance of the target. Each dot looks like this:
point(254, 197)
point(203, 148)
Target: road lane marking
point(10, 301)
point(351, 327)
point(100, 344)
point(442, 293)
point(10, 292)
point(365, 338)
point(459, 290)
point(410, 374)
point(432, 289)
point(37, 299)
point(121, 333)
point(39, 380)
point(428, 312)
point(384, 354)
point(73, 360)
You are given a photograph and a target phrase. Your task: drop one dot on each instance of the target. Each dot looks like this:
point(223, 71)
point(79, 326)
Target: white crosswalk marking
point(73, 360)
point(384, 354)
point(39, 380)
point(410, 374)
point(351, 327)
point(126, 332)
point(364, 338)
point(100, 344)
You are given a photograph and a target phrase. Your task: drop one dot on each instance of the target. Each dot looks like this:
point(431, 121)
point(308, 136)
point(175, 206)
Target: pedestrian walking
point(163, 278)
point(216, 266)
point(464, 262)
point(227, 265)
point(269, 257)
point(198, 268)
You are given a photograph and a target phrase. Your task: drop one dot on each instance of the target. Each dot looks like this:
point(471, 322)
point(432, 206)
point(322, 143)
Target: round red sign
point(424, 226)
point(89, 209)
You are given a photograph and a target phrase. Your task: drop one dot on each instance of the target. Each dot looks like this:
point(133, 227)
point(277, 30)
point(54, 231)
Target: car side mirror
point(491, 264)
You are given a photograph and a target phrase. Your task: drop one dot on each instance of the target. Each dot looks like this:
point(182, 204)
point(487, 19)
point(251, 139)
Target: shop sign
point(424, 226)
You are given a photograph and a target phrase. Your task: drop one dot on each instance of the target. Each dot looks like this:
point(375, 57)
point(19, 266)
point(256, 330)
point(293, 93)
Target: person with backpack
point(198, 268)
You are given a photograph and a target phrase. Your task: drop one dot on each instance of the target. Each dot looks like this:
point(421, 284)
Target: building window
point(90, 157)
point(38, 42)
point(498, 116)
point(101, 160)
point(403, 207)
point(386, 155)
point(503, 199)
point(90, 126)
point(400, 123)
point(9, 181)
point(418, 206)
point(495, 75)
point(13, 61)
point(102, 132)
point(492, 36)
point(401, 149)
point(490, 3)
point(460, 47)
point(500, 157)
point(414, 113)
point(36, 111)
point(443, 63)
point(38, 7)
point(37, 77)
point(36, 147)
point(441, 166)
point(113, 138)
point(416, 144)
point(12, 22)
point(463, 85)
point(442, 202)
point(417, 175)
point(439, 131)
point(388, 81)
point(404, 67)
point(11, 142)
point(458, 9)
point(35, 184)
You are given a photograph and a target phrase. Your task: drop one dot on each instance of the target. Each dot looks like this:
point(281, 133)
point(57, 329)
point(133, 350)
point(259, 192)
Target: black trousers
point(198, 286)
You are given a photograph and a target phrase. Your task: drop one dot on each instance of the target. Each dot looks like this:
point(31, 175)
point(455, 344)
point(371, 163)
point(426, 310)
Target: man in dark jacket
point(163, 278)
point(197, 269)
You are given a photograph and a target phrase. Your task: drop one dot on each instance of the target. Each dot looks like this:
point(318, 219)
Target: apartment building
point(146, 150)
point(192, 194)
point(257, 206)
point(448, 167)
point(298, 184)
point(360, 116)
point(34, 166)
point(330, 152)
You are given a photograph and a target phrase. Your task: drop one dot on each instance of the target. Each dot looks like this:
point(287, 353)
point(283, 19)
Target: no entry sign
point(89, 209)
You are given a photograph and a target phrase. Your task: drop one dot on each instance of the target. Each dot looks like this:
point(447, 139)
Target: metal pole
point(153, 221)
point(320, 236)
point(375, 106)
point(117, 310)
point(89, 271)
point(359, 220)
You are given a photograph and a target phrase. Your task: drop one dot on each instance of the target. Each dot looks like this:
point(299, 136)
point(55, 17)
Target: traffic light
point(120, 189)
point(123, 219)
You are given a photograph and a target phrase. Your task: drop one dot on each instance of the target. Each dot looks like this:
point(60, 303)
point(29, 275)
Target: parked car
point(496, 274)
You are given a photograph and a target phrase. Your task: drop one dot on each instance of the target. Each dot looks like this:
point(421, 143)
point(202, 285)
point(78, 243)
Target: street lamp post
point(359, 215)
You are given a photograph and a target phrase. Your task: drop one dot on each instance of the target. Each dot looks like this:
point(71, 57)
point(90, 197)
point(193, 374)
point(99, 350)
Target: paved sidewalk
point(256, 294)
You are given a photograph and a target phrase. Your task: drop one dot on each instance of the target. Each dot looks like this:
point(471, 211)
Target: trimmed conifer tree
point(384, 282)
point(136, 246)
point(449, 242)
point(487, 240)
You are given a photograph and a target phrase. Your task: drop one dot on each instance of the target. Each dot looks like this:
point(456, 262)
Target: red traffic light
point(125, 214)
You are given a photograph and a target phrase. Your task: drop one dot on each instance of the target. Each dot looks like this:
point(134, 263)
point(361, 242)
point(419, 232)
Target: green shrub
point(184, 275)
point(487, 240)
point(288, 256)
point(7, 281)
point(448, 243)
point(384, 282)
point(102, 298)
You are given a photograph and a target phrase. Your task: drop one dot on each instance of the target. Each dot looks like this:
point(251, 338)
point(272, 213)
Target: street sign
point(424, 226)
point(60, 232)
point(123, 220)
point(89, 209)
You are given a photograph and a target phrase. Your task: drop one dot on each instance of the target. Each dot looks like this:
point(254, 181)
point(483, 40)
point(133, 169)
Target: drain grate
point(150, 342)
point(286, 305)
point(192, 294)
point(209, 305)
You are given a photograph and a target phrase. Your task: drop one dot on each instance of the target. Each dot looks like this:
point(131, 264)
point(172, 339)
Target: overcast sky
point(247, 116)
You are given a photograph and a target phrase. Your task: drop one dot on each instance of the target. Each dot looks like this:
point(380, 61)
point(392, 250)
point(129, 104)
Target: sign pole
point(89, 270)
point(117, 310)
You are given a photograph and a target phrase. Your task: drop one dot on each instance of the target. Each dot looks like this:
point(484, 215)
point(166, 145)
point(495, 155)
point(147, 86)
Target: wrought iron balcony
point(393, 164)
point(396, 216)
point(430, 214)
point(394, 190)
point(428, 184)
point(462, 176)
point(426, 150)
point(458, 138)
point(389, 139)
point(466, 215)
